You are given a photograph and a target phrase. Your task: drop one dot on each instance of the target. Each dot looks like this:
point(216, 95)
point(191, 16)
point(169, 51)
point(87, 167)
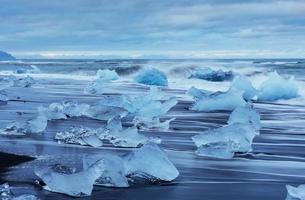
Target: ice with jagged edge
point(3, 97)
point(212, 75)
point(36, 125)
point(12, 81)
point(152, 76)
point(6, 194)
point(242, 83)
point(80, 135)
point(146, 164)
point(103, 78)
point(276, 87)
point(245, 115)
point(32, 69)
point(77, 184)
point(295, 193)
point(223, 142)
point(218, 101)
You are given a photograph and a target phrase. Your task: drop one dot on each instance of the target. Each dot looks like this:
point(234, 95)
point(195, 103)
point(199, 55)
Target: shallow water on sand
point(278, 156)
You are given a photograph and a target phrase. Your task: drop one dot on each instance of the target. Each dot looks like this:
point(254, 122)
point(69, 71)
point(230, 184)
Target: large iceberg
point(243, 84)
point(76, 184)
point(223, 142)
point(276, 87)
point(211, 75)
point(103, 78)
point(219, 101)
point(152, 77)
point(295, 193)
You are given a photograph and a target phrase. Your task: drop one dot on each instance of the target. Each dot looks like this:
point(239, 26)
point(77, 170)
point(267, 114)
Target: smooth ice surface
point(211, 75)
point(295, 193)
point(220, 101)
point(103, 78)
point(77, 184)
point(150, 162)
point(114, 174)
point(244, 84)
point(245, 115)
point(226, 140)
point(152, 77)
point(276, 87)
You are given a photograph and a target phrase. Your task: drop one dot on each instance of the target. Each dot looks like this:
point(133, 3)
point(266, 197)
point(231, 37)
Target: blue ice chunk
point(152, 77)
point(245, 115)
point(295, 193)
point(211, 75)
point(243, 84)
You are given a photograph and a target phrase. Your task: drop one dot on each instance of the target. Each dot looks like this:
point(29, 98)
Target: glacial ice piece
point(197, 93)
point(243, 84)
point(104, 112)
point(152, 77)
point(25, 82)
point(4, 56)
point(3, 98)
point(211, 75)
point(6, 194)
point(7, 81)
point(32, 69)
point(223, 142)
point(150, 162)
point(81, 136)
point(153, 123)
point(114, 172)
point(245, 115)
point(103, 78)
point(77, 184)
point(277, 87)
point(220, 101)
point(295, 193)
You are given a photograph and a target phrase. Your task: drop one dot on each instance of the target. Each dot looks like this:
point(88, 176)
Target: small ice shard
point(152, 77)
point(197, 93)
point(77, 184)
point(79, 135)
point(114, 172)
point(277, 87)
point(220, 101)
point(226, 140)
point(103, 78)
point(118, 136)
point(245, 115)
point(151, 163)
point(6, 194)
point(243, 84)
point(295, 193)
point(211, 75)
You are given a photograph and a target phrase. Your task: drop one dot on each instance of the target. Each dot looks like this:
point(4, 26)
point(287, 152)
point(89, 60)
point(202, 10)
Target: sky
point(153, 28)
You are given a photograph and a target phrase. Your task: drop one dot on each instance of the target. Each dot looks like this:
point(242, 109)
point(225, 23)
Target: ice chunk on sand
point(105, 112)
point(245, 115)
point(80, 135)
point(220, 101)
point(77, 184)
point(197, 93)
point(25, 82)
point(223, 142)
point(6, 194)
point(150, 162)
point(7, 81)
point(114, 172)
point(295, 193)
point(243, 84)
point(10, 81)
point(103, 78)
point(211, 75)
point(32, 69)
point(152, 77)
point(3, 98)
point(276, 87)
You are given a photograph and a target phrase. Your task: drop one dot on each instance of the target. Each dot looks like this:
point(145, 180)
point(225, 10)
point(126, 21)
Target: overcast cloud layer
point(160, 28)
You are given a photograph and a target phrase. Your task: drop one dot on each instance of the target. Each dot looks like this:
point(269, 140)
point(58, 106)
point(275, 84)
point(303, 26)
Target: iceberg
point(211, 75)
point(223, 142)
point(295, 193)
point(4, 56)
point(77, 184)
point(220, 101)
point(243, 84)
point(197, 93)
point(277, 87)
point(152, 77)
point(6, 194)
point(245, 115)
point(150, 163)
point(103, 78)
